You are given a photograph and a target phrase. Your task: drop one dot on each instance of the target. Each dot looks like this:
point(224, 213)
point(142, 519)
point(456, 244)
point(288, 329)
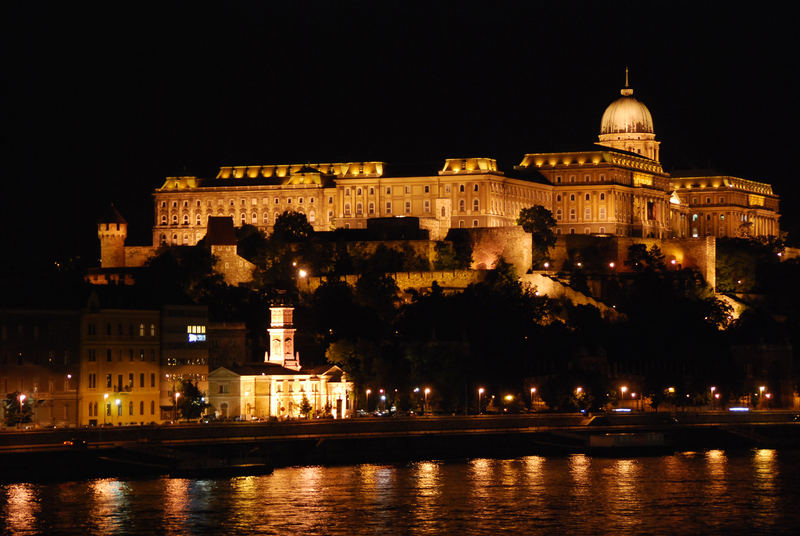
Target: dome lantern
point(628, 125)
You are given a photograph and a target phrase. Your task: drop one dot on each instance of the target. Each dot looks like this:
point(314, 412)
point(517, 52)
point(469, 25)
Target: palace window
point(444, 212)
point(174, 219)
point(265, 218)
point(359, 208)
point(721, 200)
point(347, 209)
point(427, 189)
point(602, 197)
point(289, 201)
point(602, 178)
point(474, 223)
point(602, 213)
point(447, 188)
point(461, 188)
point(587, 197)
point(254, 201)
point(407, 190)
point(572, 197)
point(253, 218)
point(347, 191)
point(426, 205)
point(371, 190)
point(572, 214)
point(558, 214)
point(198, 220)
point(474, 187)
point(371, 208)
point(708, 200)
point(299, 200)
point(388, 190)
point(163, 204)
point(558, 198)
point(572, 178)
point(312, 216)
point(586, 178)
point(174, 204)
point(476, 205)
point(408, 207)
point(163, 219)
point(462, 205)
point(358, 191)
point(186, 219)
point(558, 179)
point(388, 207)
point(587, 213)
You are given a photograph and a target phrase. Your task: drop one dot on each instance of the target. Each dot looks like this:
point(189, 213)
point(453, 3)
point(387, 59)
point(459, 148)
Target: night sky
point(101, 103)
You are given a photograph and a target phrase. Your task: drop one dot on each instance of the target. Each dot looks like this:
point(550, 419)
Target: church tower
point(281, 339)
point(112, 229)
point(628, 125)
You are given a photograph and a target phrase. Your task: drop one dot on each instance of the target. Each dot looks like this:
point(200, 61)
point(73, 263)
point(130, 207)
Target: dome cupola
point(628, 125)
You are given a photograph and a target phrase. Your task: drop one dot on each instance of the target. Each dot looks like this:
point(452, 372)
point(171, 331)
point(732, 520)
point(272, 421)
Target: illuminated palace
point(617, 188)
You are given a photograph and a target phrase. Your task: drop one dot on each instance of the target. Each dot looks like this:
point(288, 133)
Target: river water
point(704, 492)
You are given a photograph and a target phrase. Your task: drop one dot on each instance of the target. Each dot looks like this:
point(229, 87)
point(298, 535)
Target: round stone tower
point(112, 229)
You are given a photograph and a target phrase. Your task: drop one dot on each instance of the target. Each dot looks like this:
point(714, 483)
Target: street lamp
point(533, 392)
point(118, 402)
point(69, 378)
point(175, 407)
point(712, 388)
point(369, 392)
point(106, 409)
point(480, 393)
point(622, 390)
point(22, 398)
point(427, 391)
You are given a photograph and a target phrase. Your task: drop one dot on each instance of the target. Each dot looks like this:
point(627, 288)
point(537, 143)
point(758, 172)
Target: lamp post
point(106, 410)
point(69, 378)
point(369, 392)
point(712, 396)
point(622, 390)
point(175, 407)
point(22, 398)
point(118, 403)
point(533, 392)
point(427, 391)
point(480, 393)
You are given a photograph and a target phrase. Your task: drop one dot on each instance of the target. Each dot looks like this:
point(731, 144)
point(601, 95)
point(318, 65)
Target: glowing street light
point(22, 398)
point(533, 392)
point(106, 410)
point(480, 393)
point(579, 390)
point(302, 273)
point(427, 392)
point(175, 407)
point(369, 392)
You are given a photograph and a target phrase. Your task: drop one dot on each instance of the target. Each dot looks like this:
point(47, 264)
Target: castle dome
point(626, 115)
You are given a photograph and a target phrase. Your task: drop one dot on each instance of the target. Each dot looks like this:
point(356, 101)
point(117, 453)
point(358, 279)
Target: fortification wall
point(138, 255)
point(423, 248)
point(234, 269)
point(490, 243)
point(447, 279)
point(552, 288)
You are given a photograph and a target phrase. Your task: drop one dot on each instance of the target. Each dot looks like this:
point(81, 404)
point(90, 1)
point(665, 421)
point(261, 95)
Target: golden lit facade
point(608, 192)
point(616, 188)
point(119, 367)
point(279, 387)
point(728, 206)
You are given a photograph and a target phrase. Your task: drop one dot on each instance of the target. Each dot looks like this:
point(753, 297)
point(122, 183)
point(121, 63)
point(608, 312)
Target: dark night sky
point(102, 102)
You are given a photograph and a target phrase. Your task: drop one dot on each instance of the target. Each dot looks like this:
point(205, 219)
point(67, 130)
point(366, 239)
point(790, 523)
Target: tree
point(305, 407)
point(292, 227)
point(191, 401)
point(16, 411)
point(538, 221)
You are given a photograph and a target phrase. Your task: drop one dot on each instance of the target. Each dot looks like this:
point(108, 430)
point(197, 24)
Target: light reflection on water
point(686, 493)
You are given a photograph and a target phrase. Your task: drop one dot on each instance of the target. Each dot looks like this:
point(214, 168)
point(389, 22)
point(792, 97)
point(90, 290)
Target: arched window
point(558, 198)
point(163, 219)
point(312, 216)
point(371, 208)
point(199, 220)
point(588, 197)
point(602, 197)
point(347, 209)
point(572, 197)
point(186, 219)
point(265, 218)
point(475, 205)
point(462, 205)
point(572, 214)
point(444, 212)
point(174, 219)
point(558, 214)
point(163, 239)
point(461, 188)
point(474, 187)
point(359, 208)
point(358, 191)
point(254, 218)
point(141, 330)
